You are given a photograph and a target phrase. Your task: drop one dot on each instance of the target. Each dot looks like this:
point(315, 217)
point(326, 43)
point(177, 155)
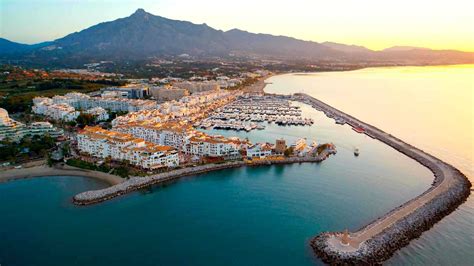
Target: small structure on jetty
point(345, 238)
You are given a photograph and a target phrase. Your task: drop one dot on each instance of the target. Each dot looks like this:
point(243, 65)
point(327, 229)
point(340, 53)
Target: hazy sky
point(376, 24)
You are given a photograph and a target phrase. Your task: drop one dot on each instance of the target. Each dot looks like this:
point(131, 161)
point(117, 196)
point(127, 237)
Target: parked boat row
point(210, 123)
point(248, 112)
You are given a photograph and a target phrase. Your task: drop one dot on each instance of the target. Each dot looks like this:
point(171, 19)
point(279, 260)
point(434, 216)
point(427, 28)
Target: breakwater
point(377, 241)
point(136, 183)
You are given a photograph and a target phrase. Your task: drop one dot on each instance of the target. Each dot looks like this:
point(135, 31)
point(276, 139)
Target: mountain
point(266, 45)
point(347, 48)
point(404, 49)
point(9, 47)
point(143, 35)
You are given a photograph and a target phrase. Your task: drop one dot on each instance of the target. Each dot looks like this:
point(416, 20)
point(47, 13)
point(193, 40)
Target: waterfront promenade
point(378, 240)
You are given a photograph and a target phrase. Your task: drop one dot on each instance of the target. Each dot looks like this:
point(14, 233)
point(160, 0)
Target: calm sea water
point(430, 107)
point(246, 216)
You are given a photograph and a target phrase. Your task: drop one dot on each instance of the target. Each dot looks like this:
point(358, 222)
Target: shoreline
point(380, 239)
point(45, 171)
point(137, 183)
point(372, 244)
point(260, 85)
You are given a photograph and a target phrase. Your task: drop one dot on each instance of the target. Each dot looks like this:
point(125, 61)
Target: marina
point(297, 180)
point(253, 112)
point(232, 193)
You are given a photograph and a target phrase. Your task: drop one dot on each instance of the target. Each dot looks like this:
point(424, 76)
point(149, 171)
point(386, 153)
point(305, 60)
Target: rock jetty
point(379, 240)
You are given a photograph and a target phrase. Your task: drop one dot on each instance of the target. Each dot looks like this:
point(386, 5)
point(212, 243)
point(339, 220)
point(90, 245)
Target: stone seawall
point(136, 183)
point(379, 240)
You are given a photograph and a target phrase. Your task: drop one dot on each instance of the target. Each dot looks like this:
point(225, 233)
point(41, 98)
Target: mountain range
point(143, 35)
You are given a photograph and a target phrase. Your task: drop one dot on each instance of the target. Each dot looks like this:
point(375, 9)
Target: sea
point(267, 215)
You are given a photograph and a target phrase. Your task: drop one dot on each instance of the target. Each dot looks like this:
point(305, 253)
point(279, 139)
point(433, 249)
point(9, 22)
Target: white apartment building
point(99, 113)
point(207, 146)
point(259, 150)
point(15, 131)
point(43, 128)
point(101, 143)
point(60, 111)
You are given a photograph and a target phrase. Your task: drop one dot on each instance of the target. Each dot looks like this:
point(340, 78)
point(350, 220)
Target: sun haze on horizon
point(374, 24)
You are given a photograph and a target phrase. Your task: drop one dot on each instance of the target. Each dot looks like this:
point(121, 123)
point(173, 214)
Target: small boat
point(358, 129)
point(340, 121)
point(356, 152)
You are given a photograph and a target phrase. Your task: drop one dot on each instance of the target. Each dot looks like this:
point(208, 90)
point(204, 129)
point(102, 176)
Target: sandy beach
point(258, 86)
point(43, 170)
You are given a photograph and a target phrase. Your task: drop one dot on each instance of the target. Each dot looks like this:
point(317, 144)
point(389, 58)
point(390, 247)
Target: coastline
point(136, 183)
point(377, 241)
point(44, 170)
point(260, 85)
point(371, 244)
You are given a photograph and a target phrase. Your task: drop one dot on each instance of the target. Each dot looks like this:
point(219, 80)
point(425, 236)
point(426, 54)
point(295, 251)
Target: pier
point(377, 241)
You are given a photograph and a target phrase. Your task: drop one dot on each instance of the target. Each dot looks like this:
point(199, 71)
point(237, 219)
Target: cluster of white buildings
point(188, 108)
point(198, 86)
point(134, 91)
point(226, 82)
point(101, 143)
point(185, 139)
point(61, 111)
point(84, 102)
point(15, 131)
point(65, 107)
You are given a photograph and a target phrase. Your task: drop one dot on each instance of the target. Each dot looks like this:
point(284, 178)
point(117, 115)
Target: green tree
point(85, 120)
point(288, 152)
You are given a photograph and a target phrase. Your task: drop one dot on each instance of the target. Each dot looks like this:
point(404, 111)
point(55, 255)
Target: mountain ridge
point(143, 35)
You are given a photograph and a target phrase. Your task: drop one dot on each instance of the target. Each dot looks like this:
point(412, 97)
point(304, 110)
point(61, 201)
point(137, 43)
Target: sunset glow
point(374, 24)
